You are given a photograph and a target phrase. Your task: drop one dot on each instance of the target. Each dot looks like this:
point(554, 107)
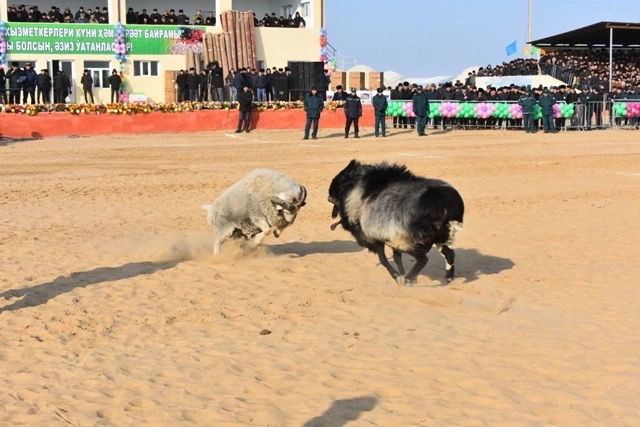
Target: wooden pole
point(252, 43)
point(243, 36)
point(232, 39)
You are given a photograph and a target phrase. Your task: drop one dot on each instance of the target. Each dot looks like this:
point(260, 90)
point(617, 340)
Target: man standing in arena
point(546, 102)
point(397, 95)
point(527, 101)
point(421, 109)
point(313, 105)
point(380, 105)
point(352, 111)
point(245, 100)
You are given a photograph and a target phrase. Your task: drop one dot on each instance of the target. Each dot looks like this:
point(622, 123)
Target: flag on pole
point(525, 50)
point(534, 50)
point(511, 49)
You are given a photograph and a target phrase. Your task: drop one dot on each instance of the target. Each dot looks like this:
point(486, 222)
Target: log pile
point(235, 47)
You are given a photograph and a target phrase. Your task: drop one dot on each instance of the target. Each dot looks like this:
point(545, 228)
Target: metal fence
point(582, 116)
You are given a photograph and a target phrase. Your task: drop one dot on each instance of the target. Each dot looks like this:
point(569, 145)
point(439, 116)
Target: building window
point(99, 71)
point(287, 11)
point(306, 10)
point(145, 68)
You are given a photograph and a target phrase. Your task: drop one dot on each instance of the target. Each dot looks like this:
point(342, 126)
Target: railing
point(343, 63)
point(508, 115)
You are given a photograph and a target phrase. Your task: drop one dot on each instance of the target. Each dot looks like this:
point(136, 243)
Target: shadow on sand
point(470, 264)
point(302, 249)
point(343, 411)
point(42, 293)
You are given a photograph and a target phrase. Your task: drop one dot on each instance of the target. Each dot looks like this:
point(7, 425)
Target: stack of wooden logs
point(235, 47)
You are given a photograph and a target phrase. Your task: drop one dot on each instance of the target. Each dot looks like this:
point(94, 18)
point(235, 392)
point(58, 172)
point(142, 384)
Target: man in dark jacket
point(339, 94)
point(352, 111)
point(193, 82)
point(217, 82)
point(87, 86)
point(380, 105)
point(59, 87)
point(260, 81)
point(313, 105)
point(16, 78)
point(421, 110)
point(240, 80)
point(527, 101)
point(44, 87)
point(3, 85)
point(546, 103)
point(183, 88)
point(204, 85)
point(397, 94)
point(114, 84)
point(29, 85)
point(245, 99)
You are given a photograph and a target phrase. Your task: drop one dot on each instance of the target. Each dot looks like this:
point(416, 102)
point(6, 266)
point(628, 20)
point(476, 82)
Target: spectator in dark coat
point(245, 100)
point(3, 85)
point(30, 83)
point(352, 112)
point(87, 86)
point(260, 81)
point(339, 94)
point(313, 105)
point(44, 87)
point(217, 82)
point(16, 78)
point(193, 83)
point(183, 88)
point(114, 84)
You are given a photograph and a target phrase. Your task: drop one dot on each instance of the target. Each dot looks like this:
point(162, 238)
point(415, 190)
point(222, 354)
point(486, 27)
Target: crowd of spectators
point(591, 68)
point(580, 69)
point(215, 84)
point(33, 14)
point(272, 20)
point(99, 15)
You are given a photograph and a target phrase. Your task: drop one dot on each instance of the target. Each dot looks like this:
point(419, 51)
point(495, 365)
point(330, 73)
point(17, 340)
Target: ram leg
point(379, 249)
point(397, 258)
point(449, 257)
point(421, 261)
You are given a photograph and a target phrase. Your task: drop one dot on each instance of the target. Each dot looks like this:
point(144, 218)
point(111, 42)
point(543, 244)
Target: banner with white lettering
point(55, 38)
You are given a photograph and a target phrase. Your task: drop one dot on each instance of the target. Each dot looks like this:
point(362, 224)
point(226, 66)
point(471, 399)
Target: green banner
point(99, 39)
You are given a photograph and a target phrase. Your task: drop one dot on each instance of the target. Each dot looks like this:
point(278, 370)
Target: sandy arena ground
point(114, 312)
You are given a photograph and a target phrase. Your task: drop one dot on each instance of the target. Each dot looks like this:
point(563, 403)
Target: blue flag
point(511, 49)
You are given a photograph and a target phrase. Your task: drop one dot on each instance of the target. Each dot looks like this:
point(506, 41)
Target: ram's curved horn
point(283, 203)
point(335, 211)
point(303, 195)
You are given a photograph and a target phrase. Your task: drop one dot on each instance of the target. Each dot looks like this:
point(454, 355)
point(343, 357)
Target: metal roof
point(625, 34)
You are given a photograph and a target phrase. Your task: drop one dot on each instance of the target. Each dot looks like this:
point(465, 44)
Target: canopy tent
point(625, 35)
point(618, 35)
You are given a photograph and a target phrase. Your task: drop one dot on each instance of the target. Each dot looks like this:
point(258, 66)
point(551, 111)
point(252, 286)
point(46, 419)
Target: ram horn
point(303, 195)
point(283, 203)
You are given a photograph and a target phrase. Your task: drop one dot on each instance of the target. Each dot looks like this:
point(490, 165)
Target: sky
point(423, 38)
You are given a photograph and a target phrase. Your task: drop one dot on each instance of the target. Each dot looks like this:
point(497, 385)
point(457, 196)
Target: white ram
point(262, 202)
